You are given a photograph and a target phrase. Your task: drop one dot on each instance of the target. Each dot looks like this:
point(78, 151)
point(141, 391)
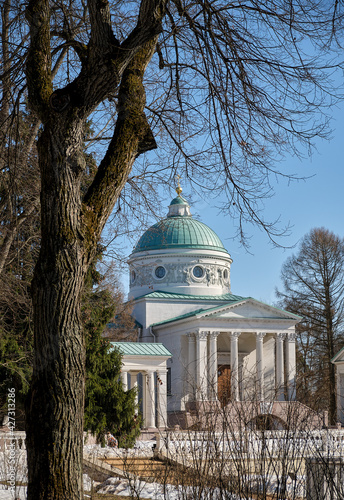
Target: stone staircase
point(146, 468)
point(149, 469)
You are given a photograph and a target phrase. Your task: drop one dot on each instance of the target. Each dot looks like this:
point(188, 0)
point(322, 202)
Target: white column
point(124, 378)
point(260, 365)
point(150, 399)
point(201, 365)
point(133, 384)
point(191, 371)
point(213, 366)
point(162, 399)
point(291, 366)
point(144, 398)
point(234, 366)
point(280, 366)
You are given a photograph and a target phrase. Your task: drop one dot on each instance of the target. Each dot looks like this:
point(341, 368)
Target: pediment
point(249, 309)
point(247, 313)
point(339, 357)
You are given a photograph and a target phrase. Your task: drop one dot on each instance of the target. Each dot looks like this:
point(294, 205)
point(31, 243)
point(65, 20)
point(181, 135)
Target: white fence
point(18, 438)
point(252, 444)
point(7, 439)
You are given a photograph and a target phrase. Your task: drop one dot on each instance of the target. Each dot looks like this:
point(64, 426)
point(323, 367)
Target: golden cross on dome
point(178, 188)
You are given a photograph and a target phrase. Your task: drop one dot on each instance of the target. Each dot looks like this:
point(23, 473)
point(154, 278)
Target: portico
point(202, 346)
point(149, 362)
point(241, 351)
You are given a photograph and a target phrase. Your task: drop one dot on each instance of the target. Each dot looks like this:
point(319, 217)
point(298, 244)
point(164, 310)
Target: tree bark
point(71, 228)
point(330, 342)
point(56, 399)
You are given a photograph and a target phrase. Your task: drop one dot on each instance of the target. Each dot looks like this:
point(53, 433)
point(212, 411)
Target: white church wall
point(269, 369)
point(148, 312)
point(249, 389)
point(139, 312)
point(164, 310)
point(177, 345)
point(248, 383)
point(179, 274)
point(340, 392)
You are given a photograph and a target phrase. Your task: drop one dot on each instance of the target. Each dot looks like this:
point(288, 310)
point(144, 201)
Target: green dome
point(179, 200)
point(179, 232)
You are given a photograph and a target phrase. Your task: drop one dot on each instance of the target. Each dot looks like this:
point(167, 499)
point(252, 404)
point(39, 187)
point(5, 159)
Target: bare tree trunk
point(330, 343)
point(56, 400)
point(71, 227)
point(11, 233)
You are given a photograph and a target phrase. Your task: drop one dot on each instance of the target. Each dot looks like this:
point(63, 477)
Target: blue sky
point(315, 202)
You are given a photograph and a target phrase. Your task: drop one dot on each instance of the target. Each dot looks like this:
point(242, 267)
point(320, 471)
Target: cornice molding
point(181, 255)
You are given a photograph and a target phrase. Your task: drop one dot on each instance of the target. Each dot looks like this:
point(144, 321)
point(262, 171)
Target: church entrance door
point(224, 384)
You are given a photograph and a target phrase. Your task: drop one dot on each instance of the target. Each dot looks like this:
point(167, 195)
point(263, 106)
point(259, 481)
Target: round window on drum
point(133, 276)
point(198, 271)
point(160, 272)
point(225, 274)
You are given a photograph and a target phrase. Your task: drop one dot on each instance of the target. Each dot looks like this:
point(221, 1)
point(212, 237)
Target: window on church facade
point(198, 271)
point(160, 272)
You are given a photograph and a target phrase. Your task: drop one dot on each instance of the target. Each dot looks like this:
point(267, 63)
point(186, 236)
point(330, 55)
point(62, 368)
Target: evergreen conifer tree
point(108, 408)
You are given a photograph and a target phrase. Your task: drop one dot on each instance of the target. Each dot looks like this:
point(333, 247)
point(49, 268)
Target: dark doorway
point(224, 384)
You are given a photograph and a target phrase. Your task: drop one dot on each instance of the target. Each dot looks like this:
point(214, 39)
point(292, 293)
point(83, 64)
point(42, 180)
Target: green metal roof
point(198, 311)
point(181, 316)
point(179, 200)
point(140, 349)
point(207, 310)
point(234, 299)
point(226, 297)
point(179, 232)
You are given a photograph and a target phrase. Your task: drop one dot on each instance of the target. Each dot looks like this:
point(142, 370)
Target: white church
point(198, 343)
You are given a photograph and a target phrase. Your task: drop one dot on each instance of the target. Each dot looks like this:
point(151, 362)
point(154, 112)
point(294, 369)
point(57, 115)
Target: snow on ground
point(13, 463)
point(141, 489)
point(120, 486)
point(155, 491)
point(140, 449)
